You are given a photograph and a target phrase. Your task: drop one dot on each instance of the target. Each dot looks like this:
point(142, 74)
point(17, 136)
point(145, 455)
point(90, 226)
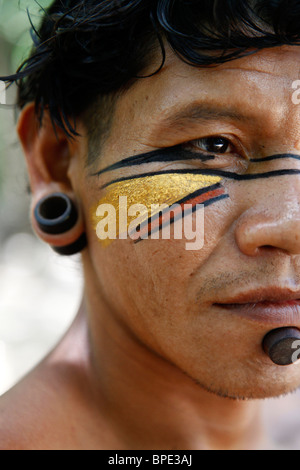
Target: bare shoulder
point(19, 408)
point(32, 414)
point(51, 408)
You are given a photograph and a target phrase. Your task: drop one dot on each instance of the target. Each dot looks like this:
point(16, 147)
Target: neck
point(154, 405)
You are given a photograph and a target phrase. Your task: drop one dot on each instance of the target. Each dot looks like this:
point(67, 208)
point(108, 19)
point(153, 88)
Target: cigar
point(283, 346)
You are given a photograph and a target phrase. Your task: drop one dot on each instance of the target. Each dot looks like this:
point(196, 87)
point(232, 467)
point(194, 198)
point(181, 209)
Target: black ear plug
point(56, 214)
point(281, 345)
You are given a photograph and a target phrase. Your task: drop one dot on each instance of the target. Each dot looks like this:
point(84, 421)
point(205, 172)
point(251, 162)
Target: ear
point(49, 156)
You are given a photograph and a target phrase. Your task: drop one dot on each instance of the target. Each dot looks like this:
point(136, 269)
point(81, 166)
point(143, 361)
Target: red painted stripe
point(206, 197)
point(197, 200)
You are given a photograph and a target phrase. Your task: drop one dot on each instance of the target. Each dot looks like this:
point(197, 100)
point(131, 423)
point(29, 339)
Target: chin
point(249, 394)
point(262, 386)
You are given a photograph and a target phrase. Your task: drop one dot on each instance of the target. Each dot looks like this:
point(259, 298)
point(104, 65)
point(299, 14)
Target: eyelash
point(207, 141)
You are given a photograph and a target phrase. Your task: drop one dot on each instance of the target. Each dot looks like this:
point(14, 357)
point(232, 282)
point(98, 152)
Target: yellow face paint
point(151, 190)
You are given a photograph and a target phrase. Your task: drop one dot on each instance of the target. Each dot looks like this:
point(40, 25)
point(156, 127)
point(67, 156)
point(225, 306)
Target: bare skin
point(151, 361)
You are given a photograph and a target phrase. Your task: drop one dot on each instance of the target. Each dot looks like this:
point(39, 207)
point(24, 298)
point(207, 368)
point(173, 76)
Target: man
point(176, 102)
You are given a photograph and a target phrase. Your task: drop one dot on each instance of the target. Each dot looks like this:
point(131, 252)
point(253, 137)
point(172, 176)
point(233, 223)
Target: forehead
point(179, 82)
point(255, 91)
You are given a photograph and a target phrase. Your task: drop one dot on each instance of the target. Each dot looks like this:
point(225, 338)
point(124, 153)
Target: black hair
point(85, 49)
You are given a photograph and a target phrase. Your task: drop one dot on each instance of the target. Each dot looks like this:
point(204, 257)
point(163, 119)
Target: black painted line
point(275, 157)
point(174, 219)
point(223, 174)
point(177, 153)
point(190, 196)
point(216, 199)
point(171, 154)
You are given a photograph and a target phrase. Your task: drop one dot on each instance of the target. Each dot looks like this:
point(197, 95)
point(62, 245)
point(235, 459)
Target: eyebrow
point(202, 112)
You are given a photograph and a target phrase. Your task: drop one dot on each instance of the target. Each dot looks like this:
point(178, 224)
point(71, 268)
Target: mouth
point(274, 307)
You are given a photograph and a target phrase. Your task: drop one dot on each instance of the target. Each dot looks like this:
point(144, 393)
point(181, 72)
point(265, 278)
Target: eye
point(216, 145)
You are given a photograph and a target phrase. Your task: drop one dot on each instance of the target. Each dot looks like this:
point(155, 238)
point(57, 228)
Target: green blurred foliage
point(15, 26)
point(15, 46)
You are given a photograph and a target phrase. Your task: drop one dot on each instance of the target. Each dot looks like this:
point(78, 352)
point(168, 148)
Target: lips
point(273, 307)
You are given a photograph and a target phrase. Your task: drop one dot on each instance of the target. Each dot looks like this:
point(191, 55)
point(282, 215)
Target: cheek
point(146, 279)
point(139, 202)
point(153, 287)
point(152, 282)
point(159, 272)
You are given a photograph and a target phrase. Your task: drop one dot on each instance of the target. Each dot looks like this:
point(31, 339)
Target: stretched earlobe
point(56, 214)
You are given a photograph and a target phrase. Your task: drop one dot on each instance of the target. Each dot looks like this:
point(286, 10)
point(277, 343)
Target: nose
point(273, 219)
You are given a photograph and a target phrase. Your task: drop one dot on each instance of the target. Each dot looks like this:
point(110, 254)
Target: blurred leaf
point(15, 25)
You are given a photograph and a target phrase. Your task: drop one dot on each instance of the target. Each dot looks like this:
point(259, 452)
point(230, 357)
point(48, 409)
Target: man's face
point(208, 310)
